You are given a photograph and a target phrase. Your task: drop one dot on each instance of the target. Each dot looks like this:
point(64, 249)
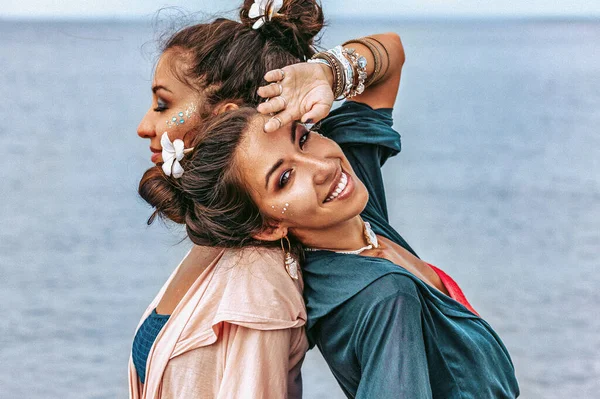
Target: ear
point(225, 107)
point(271, 233)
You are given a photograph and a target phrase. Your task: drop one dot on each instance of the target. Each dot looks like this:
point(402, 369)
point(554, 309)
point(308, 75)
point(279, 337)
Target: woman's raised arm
point(382, 93)
point(304, 91)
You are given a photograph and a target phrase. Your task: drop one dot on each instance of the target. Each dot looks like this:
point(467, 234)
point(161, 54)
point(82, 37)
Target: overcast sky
point(396, 8)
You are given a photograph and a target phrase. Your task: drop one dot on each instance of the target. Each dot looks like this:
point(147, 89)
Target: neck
point(346, 236)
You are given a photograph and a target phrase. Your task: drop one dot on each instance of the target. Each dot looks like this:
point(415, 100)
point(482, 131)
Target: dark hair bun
point(295, 26)
point(158, 191)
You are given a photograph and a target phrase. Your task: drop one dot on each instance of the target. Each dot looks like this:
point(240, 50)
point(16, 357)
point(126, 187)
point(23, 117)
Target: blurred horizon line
point(340, 17)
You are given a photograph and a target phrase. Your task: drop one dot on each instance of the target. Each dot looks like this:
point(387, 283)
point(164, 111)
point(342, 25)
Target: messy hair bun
point(168, 201)
point(294, 27)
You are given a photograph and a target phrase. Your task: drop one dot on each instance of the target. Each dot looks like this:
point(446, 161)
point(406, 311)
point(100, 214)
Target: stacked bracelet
point(339, 77)
point(376, 58)
point(359, 67)
point(349, 70)
point(387, 58)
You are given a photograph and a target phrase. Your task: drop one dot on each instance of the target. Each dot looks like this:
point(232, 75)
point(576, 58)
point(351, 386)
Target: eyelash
point(160, 106)
point(285, 176)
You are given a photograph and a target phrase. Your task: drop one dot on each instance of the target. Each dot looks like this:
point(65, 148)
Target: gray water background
point(498, 183)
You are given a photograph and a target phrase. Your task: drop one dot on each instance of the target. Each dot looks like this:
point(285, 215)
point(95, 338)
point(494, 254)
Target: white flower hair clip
point(265, 9)
point(172, 153)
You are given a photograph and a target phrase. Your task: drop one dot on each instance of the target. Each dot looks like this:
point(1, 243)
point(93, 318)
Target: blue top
point(144, 339)
point(383, 332)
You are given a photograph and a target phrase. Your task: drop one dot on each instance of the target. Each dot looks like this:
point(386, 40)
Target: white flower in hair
point(264, 9)
point(172, 153)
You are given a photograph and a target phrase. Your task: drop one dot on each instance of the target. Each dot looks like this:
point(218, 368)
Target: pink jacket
point(237, 333)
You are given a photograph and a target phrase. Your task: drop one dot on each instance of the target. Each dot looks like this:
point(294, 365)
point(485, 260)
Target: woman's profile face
point(298, 177)
point(174, 106)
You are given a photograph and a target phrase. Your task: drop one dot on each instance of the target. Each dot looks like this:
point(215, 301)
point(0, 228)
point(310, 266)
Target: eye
point(303, 139)
point(161, 105)
point(284, 178)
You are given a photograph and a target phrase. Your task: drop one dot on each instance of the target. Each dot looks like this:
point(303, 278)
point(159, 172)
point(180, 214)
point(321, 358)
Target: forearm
point(383, 89)
point(387, 47)
point(306, 91)
point(385, 57)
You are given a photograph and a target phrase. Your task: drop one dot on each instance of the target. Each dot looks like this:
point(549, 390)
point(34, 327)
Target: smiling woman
point(388, 323)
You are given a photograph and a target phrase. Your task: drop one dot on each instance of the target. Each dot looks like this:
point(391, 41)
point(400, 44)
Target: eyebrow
point(158, 87)
point(293, 132)
point(293, 127)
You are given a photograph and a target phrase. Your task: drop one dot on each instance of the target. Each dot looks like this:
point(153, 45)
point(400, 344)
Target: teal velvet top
point(144, 340)
point(383, 332)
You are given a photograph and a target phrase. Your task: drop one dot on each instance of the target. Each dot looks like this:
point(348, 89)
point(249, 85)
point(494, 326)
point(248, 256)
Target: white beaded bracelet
point(338, 53)
point(359, 64)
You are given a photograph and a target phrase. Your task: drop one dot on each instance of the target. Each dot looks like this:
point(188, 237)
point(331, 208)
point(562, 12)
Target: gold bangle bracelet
point(387, 58)
point(376, 58)
point(338, 77)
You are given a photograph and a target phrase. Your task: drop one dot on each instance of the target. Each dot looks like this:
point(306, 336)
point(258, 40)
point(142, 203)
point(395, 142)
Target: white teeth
point(340, 187)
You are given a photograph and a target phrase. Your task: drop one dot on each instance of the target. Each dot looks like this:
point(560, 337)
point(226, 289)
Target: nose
point(146, 128)
point(323, 168)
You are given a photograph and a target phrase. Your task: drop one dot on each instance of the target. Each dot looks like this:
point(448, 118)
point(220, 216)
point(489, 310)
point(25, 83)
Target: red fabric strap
point(453, 289)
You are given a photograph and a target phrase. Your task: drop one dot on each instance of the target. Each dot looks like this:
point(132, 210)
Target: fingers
point(275, 104)
point(278, 121)
point(275, 75)
point(316, 113)
point(271, 90)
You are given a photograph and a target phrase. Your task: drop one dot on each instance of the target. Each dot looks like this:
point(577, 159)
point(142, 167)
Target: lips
point(156, 154)
point(338, 187)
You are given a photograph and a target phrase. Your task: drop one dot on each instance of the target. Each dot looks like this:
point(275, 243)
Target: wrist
point(326, 70)
point(327, 73)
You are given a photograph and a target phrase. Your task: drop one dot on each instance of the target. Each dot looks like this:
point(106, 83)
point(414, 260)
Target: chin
point(362, 198)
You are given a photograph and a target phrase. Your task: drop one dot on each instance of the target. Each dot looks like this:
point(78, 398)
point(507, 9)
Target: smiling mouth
point(340, 186)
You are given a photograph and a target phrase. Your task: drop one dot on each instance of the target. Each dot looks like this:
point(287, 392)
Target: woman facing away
point(389, 324)
point(229, 322)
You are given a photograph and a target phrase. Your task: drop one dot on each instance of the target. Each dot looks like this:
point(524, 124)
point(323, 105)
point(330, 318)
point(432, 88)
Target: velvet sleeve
point(390, 349)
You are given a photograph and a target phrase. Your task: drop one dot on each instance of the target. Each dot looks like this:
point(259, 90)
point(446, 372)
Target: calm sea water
point(498, 183)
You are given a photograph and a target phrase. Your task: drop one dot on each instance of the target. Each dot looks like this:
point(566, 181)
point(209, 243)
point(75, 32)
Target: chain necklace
point(369, 236)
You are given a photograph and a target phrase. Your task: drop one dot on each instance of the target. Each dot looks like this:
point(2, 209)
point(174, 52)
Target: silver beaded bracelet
point(338, 53)
point(359, 65)
point(349, 70)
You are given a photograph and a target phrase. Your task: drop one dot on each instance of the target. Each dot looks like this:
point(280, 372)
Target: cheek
point(295, 204)
point(184, 131)
point(178, 132)
point(181, 121)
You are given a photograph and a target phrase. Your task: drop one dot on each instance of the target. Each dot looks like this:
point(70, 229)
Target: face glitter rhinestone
point(181, 116)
